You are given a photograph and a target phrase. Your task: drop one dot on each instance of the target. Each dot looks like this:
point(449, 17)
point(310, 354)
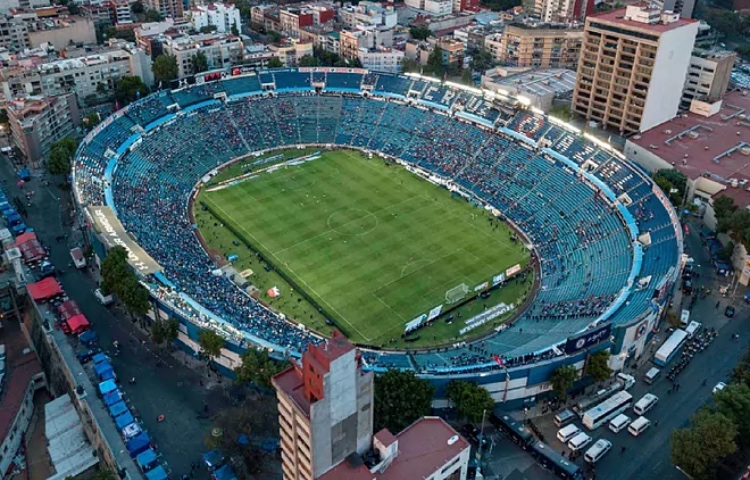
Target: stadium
point(568, 247)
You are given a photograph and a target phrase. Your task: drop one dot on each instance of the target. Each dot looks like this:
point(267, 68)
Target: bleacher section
point(585, 252)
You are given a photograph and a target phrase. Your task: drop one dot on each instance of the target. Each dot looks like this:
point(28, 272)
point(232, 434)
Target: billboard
point(587, 339)
point(434, 312)
point(481, 286)
point(498, 279)
point(513, 270)
point(113, 234)
point(414, 324)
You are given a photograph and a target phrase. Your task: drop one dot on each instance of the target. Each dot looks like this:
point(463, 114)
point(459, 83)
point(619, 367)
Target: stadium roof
point(697, 145)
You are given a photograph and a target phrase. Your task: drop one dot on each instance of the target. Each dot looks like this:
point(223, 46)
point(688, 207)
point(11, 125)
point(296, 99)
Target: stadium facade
point(606, 238)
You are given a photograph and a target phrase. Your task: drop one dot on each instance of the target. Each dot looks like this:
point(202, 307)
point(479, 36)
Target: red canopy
point(25, 237)
point(78, 324)
point(68, 309)
point(44, 289)
point(32, 250)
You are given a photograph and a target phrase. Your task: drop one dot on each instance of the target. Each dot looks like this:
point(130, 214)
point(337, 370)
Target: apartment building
point(536, 45)
point(634, 62)
point(38, 122)
point(560, 11)
point(326, 425)
point(683, 7)
point(149, 35)
point(167, 8)
point(7, 5)
point(290, 51)
point(61, 32)
point(368, 14)
point(14, 34)
point(708, 76)
point(222, 16)
point(86, 76)
point(351, 42)
point(221, 50)
point(122, 12)
point(465, 5)
point(292, 20)
point(381, 59)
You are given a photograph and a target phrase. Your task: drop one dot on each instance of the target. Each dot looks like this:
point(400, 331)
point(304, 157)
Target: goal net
point(456, 294)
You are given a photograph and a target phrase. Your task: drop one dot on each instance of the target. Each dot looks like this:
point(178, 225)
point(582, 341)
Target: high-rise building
point(325, 419)
point(38, 122)
point(683, 7)
point(167, 8)
point(708, 76)
point(536, 45)
point(560, 10)
point(632, 67)
point(325, 409)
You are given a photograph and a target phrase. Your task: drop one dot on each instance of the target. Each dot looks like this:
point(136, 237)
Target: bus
point(607, 410)
point(556, 463)
point(669, 349)
point(515, 430)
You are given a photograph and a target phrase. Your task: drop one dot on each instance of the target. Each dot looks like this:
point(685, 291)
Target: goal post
point(456, 294)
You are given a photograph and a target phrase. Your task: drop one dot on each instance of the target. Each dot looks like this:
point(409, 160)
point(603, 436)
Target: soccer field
point(374, 245)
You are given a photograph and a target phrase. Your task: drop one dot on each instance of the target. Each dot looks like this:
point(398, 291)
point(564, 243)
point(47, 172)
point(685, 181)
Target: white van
point(579, 442)
point(626, 380)
point(638, 426)
point(565, 434)
point(692, 328)
point(596, 452)
point(645, 404)
point(685, 318)
point(651, 375)
point(103, 299)
point(619, 422)
point(565, 417)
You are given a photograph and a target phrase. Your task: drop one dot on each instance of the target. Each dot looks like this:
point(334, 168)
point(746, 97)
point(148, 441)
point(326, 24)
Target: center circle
point(352, 221)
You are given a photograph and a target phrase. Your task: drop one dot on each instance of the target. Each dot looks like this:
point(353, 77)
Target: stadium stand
point(585, 240)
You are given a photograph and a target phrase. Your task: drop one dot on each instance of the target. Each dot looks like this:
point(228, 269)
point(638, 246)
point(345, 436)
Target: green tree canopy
point(307, 61)
point(409, 65)
point(481, 60)
point(562, 380)
point(673, 183)
point(400, 399)
point(164, 331)
point(561, 111)
point(470, 399)
point(258, 367)
point(734, 402)
point(165, 68)
point(211, 343)
point(597, 366)
point(200, 62)
point(741, 372)
point(137, 7)
point(698, 450)
point(420, 33)
point(153, 16)
point(466, 77)
point(128, 89)
point(274, 63)
point(120, 279)
point(61, 156)
point(435, 66)
point(274, 36)
point(500, 5)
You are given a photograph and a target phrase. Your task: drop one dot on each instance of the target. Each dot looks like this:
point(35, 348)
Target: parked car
point(85, 356)
point(729, 311)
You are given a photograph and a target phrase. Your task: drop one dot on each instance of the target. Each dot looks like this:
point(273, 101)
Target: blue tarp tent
point(101, 367)
point(24, 174)
point(88, 338)
point(117, 409)
point(225, 473)
point(157, 473)
point(108, 375)
point(108, 386)
point(138, 444)
point(124, 420)
point(213, 459)
point(112, 397)
point(146, 459)
point(99, 358)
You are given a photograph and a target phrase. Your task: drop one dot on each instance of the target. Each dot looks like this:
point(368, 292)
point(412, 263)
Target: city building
point(682, 7)
point(541, 86)
point(221, 16)
point(290, 51)
point(38, 122)
point(61, 32)
point(173, 9)
point(149, 36)
point(293, 19)
point(86, 76)
point(561, 11)
point(710, 144)
point(471, 36)
point(8, 5)
point(439, 8)
point(14, 34)
point(381, 59)
point(326, 417)
point(122, 12)
point(708, 76)
point(465, 6)
point(352, 41)
point(633, 66)
point(221, 50)
point(368, 14)
point(536, 45)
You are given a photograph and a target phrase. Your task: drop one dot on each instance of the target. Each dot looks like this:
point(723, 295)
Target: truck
point(78, 259)
point(103, 299)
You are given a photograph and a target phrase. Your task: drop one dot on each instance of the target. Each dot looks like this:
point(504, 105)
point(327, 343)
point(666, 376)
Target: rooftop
point(706, 146)
point(423, 448)
point(618, 17)
point(557, 81)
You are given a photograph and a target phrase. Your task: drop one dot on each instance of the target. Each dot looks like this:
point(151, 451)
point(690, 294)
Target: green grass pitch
point(373, 244)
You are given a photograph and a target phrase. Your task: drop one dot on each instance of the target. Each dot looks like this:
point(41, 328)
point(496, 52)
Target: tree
point(409, 65)
point(73, 8)
point(153, 16)
point(165, 68)
point(234, 30)
point(211, 343)
point(273, 36)
point(200, 62)
point(400, 399)
point(698, 450)
point(724, 207)
point(102, 475)
point(673, 182)
point(500, 5)
point(61, 155)
point(734, 402)
point(481, 60)
point(164, 331)
point(240, 432)
point(91, 120)
point(274, 63)
point(470, 399)
point(129, 89)
point(562, 380)
point(208, 29)
point(561, 111)
point(466, 77)
point(307, 61)
point(120, 279)
point(597, 366)
point(137, 7)
point(134, 296)
point(741, 372)
point(435, 66)
point(258, 367)
point(420, 33)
